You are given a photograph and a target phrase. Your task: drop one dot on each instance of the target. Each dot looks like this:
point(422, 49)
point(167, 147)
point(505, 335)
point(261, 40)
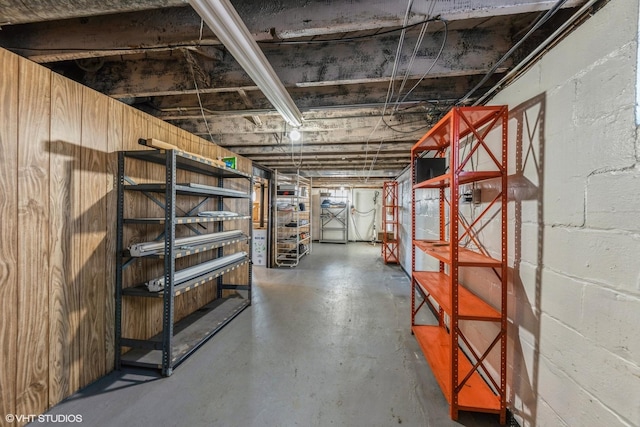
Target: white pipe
point(536, 51)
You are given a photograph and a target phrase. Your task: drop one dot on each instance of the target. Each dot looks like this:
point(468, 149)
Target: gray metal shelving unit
point(292, 219)
point(334, 219)
point(178, 340)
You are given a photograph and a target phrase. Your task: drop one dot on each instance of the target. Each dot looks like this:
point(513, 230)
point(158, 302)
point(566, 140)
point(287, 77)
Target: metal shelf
point(390, 222)
point(180, 252)
point(189, 334)
point(187, 161)
point(438, 286)
point(463, 178)
point(292, 221)
point(186, 286)
point(457, 355)
point(177, 340)
point(187, 190)
point(476, 394)
point(334, 220)
point(180, 220)
point(441, 250)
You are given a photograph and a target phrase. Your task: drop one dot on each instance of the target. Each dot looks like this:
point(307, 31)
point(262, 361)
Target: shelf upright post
point(442, 206)
point(220, 250)
point(250, 248)
point(169, 262)
point(454, 246)
point(414, 156)
point(503, 277)
point(119, 263)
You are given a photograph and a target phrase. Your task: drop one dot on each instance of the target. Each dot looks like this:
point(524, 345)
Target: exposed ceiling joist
point(336, 59)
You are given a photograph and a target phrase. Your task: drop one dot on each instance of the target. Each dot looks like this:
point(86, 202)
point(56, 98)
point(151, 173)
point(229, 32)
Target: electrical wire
point(363, 213)
point(444, 42)
point(537, 51)
point(201, 30)
point(189, 58)
point(399, 102)
point(348, 39)
point(396, 61)
point(390, 90)
point(414, 54)
point(366, 174)
point(297, 164)
point(279, 138)
point(504, 57)
point(355, 229)
point(188, 45)
point(372, 226)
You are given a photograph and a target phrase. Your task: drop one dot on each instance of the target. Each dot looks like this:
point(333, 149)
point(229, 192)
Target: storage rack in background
point(467, 287)
point(207, 262)
point(292, 219)
point(390, 222)
point(334, 218)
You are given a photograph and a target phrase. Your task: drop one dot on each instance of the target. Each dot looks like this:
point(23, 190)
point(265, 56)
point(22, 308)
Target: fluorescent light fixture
point(294, 135)
point(225, 22)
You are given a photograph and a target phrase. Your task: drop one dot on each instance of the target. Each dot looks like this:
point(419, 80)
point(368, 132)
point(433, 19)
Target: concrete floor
point(327, 343)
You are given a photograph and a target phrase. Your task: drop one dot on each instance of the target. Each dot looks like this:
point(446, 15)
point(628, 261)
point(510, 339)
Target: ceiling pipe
point(406, 105)
point(227, 25)
point(504, 57)
point(537, 51)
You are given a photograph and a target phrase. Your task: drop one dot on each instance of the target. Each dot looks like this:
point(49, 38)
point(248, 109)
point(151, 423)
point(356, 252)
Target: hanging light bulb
point(295, 135)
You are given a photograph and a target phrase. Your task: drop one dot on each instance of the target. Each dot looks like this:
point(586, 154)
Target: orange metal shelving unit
point(390, 222)
point(469, 148)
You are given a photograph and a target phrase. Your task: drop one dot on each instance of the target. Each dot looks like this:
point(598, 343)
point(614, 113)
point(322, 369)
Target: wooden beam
point(324, 149)
point(231, 141)
point(238, 126)
point(39, 10)
point(305, 165)
point(370, 61)
point(177, 25)
point(431, 92)
point(249, 104)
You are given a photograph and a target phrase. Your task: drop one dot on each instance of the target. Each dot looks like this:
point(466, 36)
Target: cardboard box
point(381, 235)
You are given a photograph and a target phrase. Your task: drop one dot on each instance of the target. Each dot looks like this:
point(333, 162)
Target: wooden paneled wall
point(58, 161)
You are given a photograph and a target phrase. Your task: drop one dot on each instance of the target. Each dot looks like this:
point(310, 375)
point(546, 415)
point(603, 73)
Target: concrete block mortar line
point(592, 282)
point(620, 51)
point(583, 227)
point(608, 170)
point(623, 421)
point(637, 83)
point(570, 378)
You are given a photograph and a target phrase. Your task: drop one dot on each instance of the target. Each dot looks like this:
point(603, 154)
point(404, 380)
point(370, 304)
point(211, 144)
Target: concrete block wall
point(404, 219)
point(574, 228)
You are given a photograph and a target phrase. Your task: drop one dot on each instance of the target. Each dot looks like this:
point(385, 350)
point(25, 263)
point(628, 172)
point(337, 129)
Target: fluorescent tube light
point(225, 22)
point(181, 276)
point(152, 248)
